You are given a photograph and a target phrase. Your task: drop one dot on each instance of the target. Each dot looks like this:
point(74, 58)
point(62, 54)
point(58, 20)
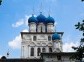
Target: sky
point(14, 16)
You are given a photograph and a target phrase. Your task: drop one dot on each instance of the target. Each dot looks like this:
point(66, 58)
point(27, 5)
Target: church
point(41, 37)
point(42, 43)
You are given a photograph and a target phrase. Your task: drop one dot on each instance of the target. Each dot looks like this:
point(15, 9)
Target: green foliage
point(80, 26)
point(80, 49)
point(79, 53)
point(0, 2)
point(82, 0)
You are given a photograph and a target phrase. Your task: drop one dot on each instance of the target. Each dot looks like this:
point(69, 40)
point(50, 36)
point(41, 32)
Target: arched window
point(34, 38)
point(43, 50)
point(32, 51)
point(49, 38)
point(50, 49)
point(38, 51)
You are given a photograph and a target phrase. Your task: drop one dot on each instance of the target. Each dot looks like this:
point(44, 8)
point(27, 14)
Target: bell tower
point(57, 43)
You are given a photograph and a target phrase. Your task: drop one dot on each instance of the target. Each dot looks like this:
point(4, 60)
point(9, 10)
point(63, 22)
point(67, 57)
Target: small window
point(50, 49)
point(34, 38)
point(38, 51)
point(43, 50)
point(49, 38)
point(32, 51)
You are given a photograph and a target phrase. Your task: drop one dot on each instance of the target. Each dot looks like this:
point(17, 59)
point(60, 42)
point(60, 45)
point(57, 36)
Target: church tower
point(41, 25)
point(57, 43)
point(50, 24)
point(41, 37)
point(32, 23)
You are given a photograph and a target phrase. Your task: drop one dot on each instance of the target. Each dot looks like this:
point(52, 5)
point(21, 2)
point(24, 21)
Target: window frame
point(49, 38)
point(38, 51)
point(34, 38)
point(50, 49)
point(43, 49)
point(32, 51)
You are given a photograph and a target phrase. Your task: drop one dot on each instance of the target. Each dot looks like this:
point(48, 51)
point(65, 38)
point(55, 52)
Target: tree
point(82, 0)
point(80, 49)
point(0, 2)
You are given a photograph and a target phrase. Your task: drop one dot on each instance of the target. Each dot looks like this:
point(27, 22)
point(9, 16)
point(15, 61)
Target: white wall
point(50, 27)
point(57, 46)
point(27, 42)
point(32, 27)
point(39, 26)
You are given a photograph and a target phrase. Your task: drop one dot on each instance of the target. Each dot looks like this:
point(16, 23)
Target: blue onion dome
point(41, 18)
point(55, 36)
point(32, 19)
point(50, 19)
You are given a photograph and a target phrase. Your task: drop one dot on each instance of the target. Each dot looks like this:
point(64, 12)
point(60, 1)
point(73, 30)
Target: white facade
point(38, 40)
point(41, 42)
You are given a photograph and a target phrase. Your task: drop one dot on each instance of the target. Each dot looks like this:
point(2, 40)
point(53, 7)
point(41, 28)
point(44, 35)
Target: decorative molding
point(49, 44)
point(32, 44)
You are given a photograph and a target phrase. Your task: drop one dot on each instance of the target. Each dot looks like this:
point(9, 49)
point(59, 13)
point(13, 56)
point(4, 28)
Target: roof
point(59, 53)
point(56, 36)
point(41, 33)
point(32, 19)
point(41, 18)
point(49, 19)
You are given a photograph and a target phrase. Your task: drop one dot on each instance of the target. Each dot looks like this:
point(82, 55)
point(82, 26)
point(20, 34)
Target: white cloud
point(18, 23)
point(23, 21)
point(69, 42)
point(67, 47)
point(16, 42)
point(25, 30)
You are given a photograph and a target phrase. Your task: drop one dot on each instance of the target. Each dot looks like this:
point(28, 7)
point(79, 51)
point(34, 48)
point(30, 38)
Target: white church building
point(42, 41)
